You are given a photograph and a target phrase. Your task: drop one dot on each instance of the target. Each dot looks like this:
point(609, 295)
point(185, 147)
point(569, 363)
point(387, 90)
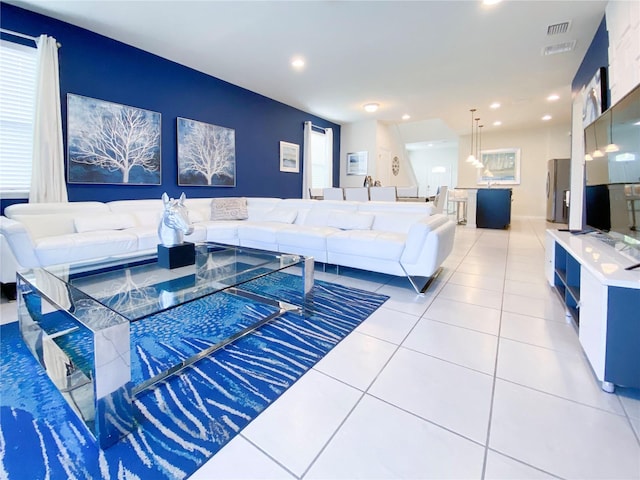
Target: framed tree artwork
point(206, 154)
point(109, 143)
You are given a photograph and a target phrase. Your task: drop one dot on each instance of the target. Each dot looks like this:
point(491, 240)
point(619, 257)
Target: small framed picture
point(357, 163)
point(289, 157)
point(501, 167)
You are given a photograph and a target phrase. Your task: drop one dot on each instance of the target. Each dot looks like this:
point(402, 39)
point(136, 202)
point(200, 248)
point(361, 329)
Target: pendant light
point(612, 147)
point(596, 153)
point(480, 164)
point(471, 158)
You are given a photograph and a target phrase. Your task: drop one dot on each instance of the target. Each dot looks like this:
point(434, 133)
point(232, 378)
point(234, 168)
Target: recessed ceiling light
point(406, 116)
point(371, 107)
point(495, 105)
point(490, 2)
point(553, 97)
point(497, 123)
point(546, 117)
point(297, 62)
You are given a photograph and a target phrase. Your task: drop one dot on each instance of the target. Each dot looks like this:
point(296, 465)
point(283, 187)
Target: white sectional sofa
point(396, 238)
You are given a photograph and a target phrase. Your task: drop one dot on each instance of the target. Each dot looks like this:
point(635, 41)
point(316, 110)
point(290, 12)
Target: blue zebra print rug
point(185, 420)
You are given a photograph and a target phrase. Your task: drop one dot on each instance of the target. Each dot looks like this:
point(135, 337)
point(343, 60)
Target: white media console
point(602, 298)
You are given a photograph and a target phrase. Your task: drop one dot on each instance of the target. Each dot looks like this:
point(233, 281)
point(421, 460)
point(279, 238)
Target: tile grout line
point(366, 391)
point(495, 373)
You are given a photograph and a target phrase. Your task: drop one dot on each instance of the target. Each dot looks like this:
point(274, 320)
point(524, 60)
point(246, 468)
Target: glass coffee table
point(107, 330)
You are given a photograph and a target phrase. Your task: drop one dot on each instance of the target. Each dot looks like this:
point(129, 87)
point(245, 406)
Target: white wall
point(537, 146)
point(382, 142)
point(357, 137)
point(390, 145)
point(426, 159)
point(623, 26)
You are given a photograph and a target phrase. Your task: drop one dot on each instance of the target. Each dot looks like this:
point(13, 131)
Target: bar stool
point(460, 197)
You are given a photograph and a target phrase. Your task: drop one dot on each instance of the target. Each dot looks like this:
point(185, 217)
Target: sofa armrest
point(19, 241)
point(437, 243)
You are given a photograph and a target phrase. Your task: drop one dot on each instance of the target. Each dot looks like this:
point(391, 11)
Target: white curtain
point(47, 175)
point(328, 152)
point(306, 160)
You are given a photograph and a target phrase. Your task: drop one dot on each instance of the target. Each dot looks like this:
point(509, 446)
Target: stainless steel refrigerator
point(558, 185)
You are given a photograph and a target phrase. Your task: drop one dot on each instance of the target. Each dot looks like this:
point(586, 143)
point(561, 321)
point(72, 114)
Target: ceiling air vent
point(559, 48)
point(558, 28)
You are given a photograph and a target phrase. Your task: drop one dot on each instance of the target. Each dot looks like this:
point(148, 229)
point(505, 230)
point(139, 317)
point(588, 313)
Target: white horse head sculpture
point(175, 221)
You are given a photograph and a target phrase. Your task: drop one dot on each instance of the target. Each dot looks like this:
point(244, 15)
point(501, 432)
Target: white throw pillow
point(229, 208)
point(350, 220)
point(281, 215)
point(109, 221)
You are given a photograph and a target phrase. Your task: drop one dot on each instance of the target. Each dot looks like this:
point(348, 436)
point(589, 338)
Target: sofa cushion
point(223, 232)
point(350, 220)
point(367, 243)
point(314, 238)
point(41, 226)
point(396, 222)
point(106, 221)
point(148, 218)
point(55, 208)
point(260, 232)
point(229, 208)
point(84, 246)
point(281, 215)
point(198, 215)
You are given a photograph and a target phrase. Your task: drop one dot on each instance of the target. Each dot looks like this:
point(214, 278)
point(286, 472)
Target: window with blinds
point(17, 106)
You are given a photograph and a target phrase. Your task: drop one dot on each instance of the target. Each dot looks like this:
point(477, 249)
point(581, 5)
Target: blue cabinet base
point(493, 208)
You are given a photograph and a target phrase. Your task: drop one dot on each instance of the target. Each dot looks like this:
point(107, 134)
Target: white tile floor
point(482, 377)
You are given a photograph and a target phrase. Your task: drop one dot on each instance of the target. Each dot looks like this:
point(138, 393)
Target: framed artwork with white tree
point(109, 143)
point(206, 154)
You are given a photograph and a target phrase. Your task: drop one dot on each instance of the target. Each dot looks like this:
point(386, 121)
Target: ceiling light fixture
point(597, 153)
point(612, 147)
point(406, 116)
point(497, 123)
point(546, 118)
point(471, 158)
point(371, 107)
point(495, 105)
point(480, 164)
point(297, 62)
point(553, 97)
point(490, 2)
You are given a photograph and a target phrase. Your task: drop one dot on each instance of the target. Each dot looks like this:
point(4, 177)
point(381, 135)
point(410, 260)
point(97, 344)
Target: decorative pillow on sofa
point(107, 221)
point(229, 209)
point(350, 220)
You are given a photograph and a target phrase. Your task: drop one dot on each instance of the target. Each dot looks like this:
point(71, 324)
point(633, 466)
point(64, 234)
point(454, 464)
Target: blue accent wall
point(597, 56)
point(95, 66)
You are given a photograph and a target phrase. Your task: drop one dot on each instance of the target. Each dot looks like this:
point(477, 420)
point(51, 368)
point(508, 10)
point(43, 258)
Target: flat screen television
point(612, 173)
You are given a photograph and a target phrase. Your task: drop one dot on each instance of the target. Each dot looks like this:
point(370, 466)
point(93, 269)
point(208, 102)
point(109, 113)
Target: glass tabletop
point(138, 287)
point(106, 331)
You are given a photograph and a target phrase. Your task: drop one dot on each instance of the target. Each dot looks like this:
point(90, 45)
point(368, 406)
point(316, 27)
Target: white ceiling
point(429, 59)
